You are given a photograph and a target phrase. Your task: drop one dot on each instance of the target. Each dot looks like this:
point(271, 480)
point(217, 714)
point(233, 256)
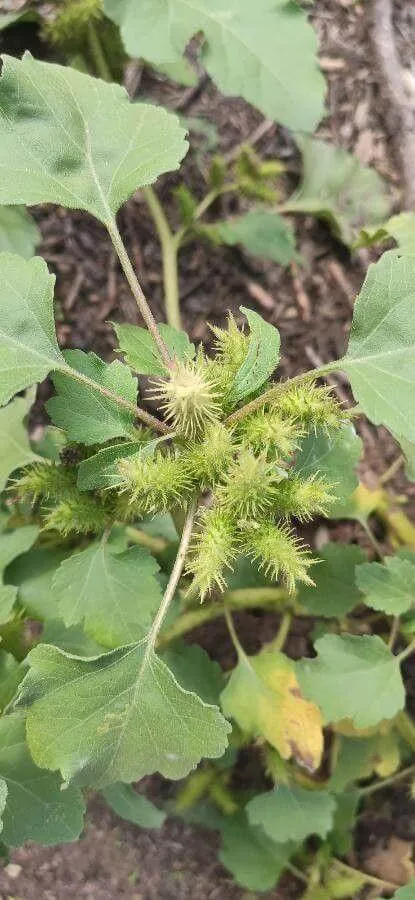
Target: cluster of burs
point(241, 468)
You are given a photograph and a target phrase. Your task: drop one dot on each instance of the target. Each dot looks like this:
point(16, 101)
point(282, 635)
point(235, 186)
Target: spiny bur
point(213, 550)
point(45, 481)
point(188, 399)
point(303, 499)
point(248, 489)
point(279, 553)
point(268, 431)
point(312, 406)
point(154, 484)
point(207, 460)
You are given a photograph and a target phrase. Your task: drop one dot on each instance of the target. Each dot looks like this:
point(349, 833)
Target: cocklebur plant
point(238, 461)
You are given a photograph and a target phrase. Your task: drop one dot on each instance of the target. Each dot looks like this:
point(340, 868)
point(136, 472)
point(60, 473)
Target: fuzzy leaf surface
point(353, 677)
point(85, 415)
point(15, 450)
point(36, 808)
point(125, 716)
point(18, 231)
point(262, 233)
point(335, 592)
point(335, 186)
point(133, 807)
point(292, 813)
point(264, 53)
point(29, 350)
point(264, 698)
point(115, 596)
point(389, 587)
point(333, 457)
point(140, 350)
point(255, 861)
point(262, 357)
point(380, 359)
point(71, 139)
point(72, 639)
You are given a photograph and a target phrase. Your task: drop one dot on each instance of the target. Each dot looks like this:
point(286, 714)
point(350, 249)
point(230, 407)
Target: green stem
point(137, 292)
point(407, 652)
point(372, 788)
point(169, 248)
point(97, 54)
point(282, 633)
point(249, 598)
point(275, 392)
point(370, 879)
point(151, 542)
point(137, 412)
point(296, 872)
point(375, 543)
point(406, 727)
point(394, 632)
point(234, 637)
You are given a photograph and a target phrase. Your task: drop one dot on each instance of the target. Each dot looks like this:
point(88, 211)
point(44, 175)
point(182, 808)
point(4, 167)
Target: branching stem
point(137, 292)
point(136, 411)
point(275, 392)
point(169, 249)
point(379, 785)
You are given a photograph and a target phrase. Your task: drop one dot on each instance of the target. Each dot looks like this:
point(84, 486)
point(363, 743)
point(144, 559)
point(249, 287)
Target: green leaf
point(354, 678)
point(141, 352)
point(133, 807)
point(262, 357)
point(400, 227)
point(29, 349)
point(255, 861)
point(341, 837)
point(380, 359)
point(14, 543)
point(389, 587)
point(355, 760)
point(195, 671)
point(335, 593)
point(11, 674)
point(85, 415)
point(334, 457)
point(292, 813)
point(18, 231)
point(33, 573)
point(72, 640)
point(336, 187)
point(36, 808)
point(3, 799)
point(265, 53)
point(101, 471)
point(180, 71)
point(261, 232)
point(405, 893)
point(125, 717)
point(15, 450)
point(8, 596)
point(71, 139)
point(115, 596)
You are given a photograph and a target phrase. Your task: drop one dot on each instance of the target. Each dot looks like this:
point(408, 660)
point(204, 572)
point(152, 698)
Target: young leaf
point(85, 415)
point(262, 233)
point(36, 808)
point(115, 595)
point(262, 357)
point(15, 450)
point(380, 359)
point(125, 717)
point(29, 348)
point(133, 807)
point(263, 697)
point(141, 352)
point(18, 231)
point(335, 186)
point(334, 457)
point(335, 592)
point(255, 861)
point(292, 813)
point(71, 139)
point(354, 678)
point(265, 53)
point(389, 587)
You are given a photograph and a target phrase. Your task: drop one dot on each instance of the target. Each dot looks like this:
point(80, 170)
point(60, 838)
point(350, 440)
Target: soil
point(312, 307)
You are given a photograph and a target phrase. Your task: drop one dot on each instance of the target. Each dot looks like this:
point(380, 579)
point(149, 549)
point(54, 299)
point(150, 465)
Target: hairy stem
point(379, 785)
point(275, 392)
point(136, 411)
point(169, 248)
point(245, 598)
point(174, 578)
point(102, 68)
point(137, 292)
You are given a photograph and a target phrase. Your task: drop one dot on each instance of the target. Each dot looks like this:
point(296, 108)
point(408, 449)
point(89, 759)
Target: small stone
point(13, 870)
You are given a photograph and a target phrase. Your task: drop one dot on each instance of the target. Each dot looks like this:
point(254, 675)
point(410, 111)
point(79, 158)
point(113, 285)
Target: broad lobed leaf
point(389, 587)
point(265, 52)
point(71, 139)
point(333, 456)
point(334, 592)
point(18, 231)
point(292, 813)
point(124, 716)
point(261, 232)
point(141, 352)
point(255, 861)
point(15, 450)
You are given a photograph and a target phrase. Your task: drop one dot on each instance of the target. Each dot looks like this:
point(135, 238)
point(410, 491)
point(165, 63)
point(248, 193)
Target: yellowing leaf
point(264, 698)
point(387, 756)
